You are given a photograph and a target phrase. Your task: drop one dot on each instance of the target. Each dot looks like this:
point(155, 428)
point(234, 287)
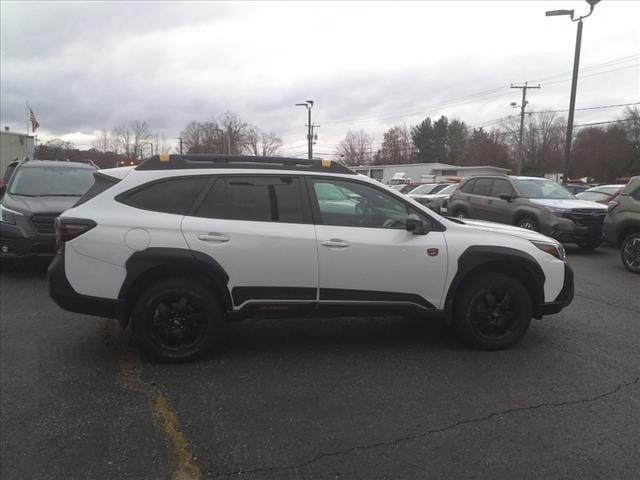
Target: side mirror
point(416, 225)
point(507, 197)
point(3, 188)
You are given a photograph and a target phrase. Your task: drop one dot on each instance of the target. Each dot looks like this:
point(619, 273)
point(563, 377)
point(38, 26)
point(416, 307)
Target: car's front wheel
point(492, 312)
point(630, 252)
point(528, 223)
point(177, 320)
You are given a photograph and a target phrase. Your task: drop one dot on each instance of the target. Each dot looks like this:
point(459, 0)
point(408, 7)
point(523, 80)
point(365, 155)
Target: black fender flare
point(157, 259)
point(474, 258)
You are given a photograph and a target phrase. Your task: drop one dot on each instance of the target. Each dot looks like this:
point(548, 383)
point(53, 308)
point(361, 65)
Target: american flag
point(34, 121)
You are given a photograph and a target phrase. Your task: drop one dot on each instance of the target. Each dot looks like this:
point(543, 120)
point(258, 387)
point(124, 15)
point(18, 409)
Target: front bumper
point(17, 241)
point(61, 291)
point(576, 228)
point(565, 296)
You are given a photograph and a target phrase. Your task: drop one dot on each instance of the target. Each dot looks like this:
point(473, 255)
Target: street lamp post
point(574, 80)
point(309, 105)
point(222, 140)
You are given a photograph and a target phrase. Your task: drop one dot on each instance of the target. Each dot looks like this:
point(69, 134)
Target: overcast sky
point(94, 65)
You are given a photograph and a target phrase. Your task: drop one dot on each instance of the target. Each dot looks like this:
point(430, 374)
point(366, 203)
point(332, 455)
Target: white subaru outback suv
point(182, 244)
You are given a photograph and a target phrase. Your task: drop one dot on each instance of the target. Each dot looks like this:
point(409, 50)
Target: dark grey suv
point(533, 203)
point(39, 191)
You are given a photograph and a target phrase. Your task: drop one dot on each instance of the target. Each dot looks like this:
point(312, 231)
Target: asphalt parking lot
point(334, 398)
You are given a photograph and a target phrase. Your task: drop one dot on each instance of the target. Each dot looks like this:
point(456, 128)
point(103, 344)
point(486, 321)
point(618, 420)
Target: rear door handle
point(335, 243)
point(213, 237)
point(489, 202)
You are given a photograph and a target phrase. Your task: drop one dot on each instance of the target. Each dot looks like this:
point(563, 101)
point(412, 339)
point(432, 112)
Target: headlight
point(558, 212)
point(554, 249)
point(8, 215)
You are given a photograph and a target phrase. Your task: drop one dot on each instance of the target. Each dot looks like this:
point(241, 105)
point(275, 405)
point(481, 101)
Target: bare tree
point(103, 141)
point(234, 129)
point(355, 149)
point(260, 143)
point(122, 140)
point(141, 136)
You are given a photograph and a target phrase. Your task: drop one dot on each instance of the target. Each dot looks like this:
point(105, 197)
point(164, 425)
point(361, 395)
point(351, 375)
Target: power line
point(494, 92)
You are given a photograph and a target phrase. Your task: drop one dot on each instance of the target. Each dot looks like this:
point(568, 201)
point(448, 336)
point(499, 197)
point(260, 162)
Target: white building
point(14, 146)
point(425, 172)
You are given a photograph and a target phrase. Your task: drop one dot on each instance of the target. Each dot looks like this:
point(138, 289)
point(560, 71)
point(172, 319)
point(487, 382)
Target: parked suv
point(533, 203)
point(622, 225)
point(181, 244)
point(37, 192)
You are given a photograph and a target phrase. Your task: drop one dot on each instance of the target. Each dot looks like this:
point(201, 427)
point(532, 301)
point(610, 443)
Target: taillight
point(612, 204)
point(70, 228)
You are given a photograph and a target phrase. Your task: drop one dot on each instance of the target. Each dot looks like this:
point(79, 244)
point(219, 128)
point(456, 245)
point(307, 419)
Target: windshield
point(55, 181)
point(422, 189)
point(448, 189)
point(542, 188)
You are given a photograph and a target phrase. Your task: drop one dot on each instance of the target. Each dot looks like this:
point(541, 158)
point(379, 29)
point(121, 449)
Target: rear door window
point(258, 199)
point(501, 187)
point(483, 186)
point(468, 186)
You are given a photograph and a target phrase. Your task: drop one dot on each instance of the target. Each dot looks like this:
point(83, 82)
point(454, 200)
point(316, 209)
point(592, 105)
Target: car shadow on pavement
point(30, 268)
point(336, 334)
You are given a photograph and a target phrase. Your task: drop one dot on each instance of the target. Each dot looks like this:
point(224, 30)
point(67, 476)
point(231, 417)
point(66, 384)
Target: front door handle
point(490, 202)
point(335, 243)
point(213, 237)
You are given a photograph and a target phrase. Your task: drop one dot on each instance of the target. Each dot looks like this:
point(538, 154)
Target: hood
point(568, 203)
point(492, 227)
point(38, 205)
point(431, 196)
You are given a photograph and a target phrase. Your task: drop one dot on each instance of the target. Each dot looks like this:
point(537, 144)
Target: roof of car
point(57, 164)
point(200, 161)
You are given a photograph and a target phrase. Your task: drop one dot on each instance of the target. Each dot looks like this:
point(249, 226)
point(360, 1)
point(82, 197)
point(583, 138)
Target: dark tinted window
point(169, 196)
point(468, 186)
point(501, 187)
point(260, 199)
point(636, 194)
point(101, 183)
point(483, 186)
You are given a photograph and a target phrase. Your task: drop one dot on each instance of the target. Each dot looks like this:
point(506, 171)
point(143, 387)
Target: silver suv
point(533, 203)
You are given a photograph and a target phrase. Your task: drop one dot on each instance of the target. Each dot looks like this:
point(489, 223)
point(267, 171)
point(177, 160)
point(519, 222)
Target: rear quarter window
point(101, 184)
point(174, 195)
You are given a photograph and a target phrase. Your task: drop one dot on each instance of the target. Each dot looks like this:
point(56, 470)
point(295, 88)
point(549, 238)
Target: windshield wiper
point(22, 194)
point(60, 195)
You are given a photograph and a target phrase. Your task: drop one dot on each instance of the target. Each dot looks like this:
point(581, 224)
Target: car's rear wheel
point(588, 245)
point(528, 223)
point(177, 320)
point(492, 312)
point(630, 252)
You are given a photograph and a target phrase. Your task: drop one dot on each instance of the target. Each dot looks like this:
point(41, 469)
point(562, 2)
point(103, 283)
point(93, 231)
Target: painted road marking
point(129, 378)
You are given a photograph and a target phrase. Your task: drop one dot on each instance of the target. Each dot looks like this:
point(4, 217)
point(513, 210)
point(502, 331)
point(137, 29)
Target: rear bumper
point(61, 291)
point(565, 296)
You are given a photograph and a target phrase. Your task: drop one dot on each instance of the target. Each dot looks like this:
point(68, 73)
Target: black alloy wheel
point(630, 252)
point(493, 311)
point(177, 320)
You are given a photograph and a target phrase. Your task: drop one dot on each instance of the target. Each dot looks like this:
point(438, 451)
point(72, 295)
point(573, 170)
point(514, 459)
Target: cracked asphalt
point(375, 398)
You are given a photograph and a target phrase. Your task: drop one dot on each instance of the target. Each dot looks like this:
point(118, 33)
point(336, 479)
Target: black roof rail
point(188, 161)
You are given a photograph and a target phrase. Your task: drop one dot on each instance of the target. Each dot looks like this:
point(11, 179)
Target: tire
point(460, 213)
point(630, 252)
point(528, 223)
point(484, 329)
point(588, 246)
point(177, 320)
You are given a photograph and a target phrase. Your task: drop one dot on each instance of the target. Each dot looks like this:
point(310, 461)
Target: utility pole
point(309, 105)
point(574, 79)
point(523, 106)
point(314, 137)
point(180, 138)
